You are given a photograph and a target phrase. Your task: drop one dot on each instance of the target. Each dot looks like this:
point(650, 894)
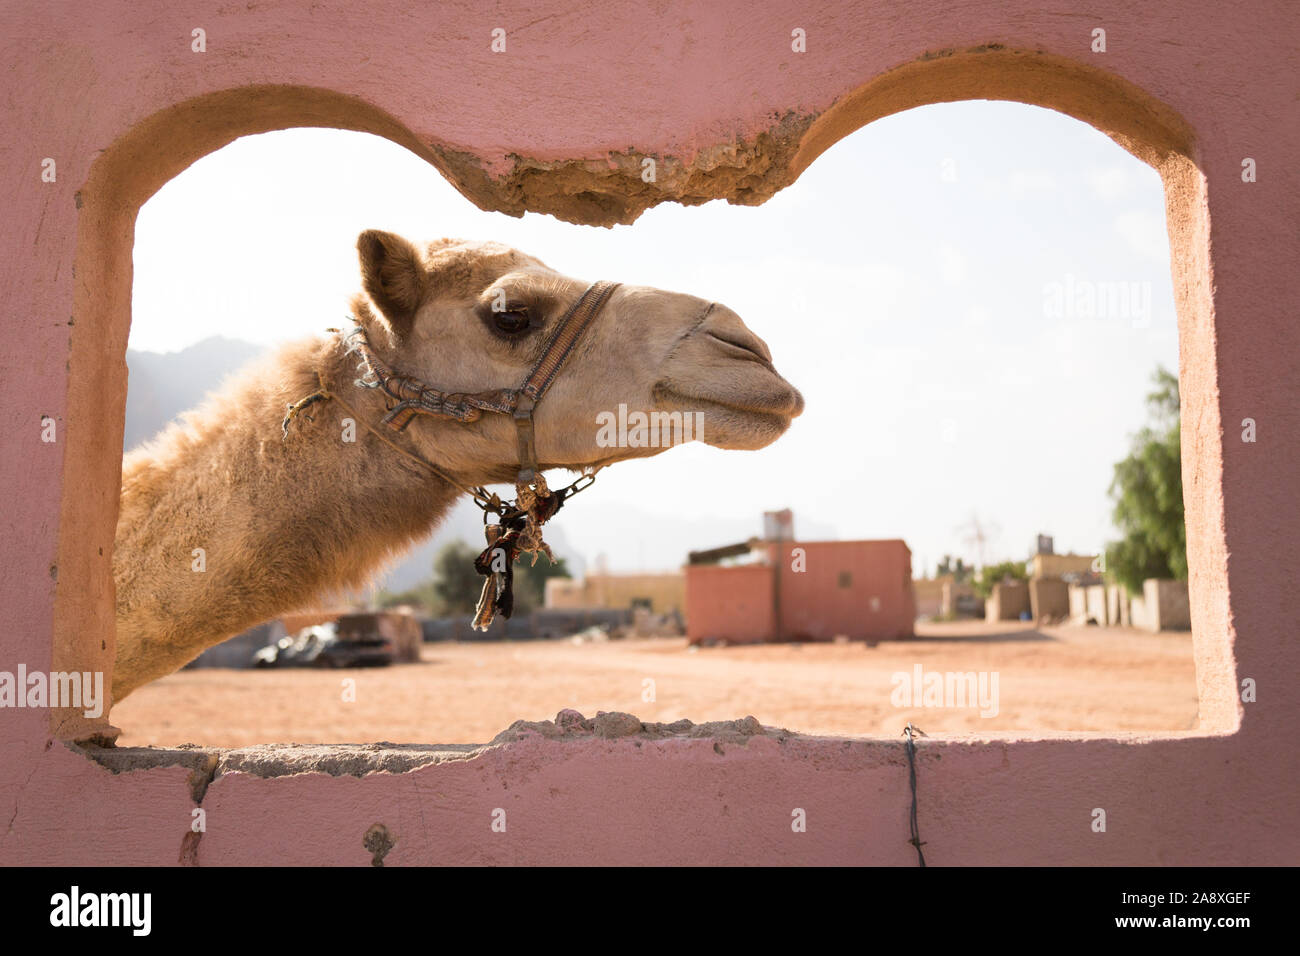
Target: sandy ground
point(1058, 679)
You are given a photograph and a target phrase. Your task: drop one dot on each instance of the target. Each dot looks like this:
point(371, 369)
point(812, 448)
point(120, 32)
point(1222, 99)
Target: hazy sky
point(943, 286)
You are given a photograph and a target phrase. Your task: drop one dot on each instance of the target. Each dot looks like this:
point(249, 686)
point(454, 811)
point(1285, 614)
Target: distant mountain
point(162, 385)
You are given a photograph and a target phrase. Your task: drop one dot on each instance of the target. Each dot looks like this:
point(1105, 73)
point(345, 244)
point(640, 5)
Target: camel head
point(475, 316)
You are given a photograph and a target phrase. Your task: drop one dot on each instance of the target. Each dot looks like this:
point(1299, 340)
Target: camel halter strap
point(413, 397)
point(518, 527)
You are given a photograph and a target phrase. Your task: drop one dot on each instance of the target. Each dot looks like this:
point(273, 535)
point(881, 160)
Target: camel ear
point(393, 276)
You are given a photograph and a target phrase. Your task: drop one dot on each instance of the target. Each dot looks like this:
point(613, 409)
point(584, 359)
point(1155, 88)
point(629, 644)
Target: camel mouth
point(780, 401)
point(722, 373)
point(745, 421)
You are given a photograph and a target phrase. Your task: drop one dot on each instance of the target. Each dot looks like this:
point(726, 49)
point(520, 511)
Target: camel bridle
point(413, 397)
point(519, 522)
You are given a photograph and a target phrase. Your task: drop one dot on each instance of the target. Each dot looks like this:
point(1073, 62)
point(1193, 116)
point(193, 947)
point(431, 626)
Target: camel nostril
point(752, 347)
point(725, 328)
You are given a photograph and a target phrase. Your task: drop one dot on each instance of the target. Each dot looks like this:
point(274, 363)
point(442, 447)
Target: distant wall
point(1049, 599)
point(929, 595)
point(732, 604)
point(541, 624)
point(861, 590)
point(1162, 606)
point(858, 589)
point(1056, 565)
point(665, 592)
point(1007, 601)
point(1117, 605)
point(961, 599)
point(1096, 604)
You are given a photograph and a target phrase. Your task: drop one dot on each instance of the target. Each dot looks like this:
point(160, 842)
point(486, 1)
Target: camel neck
point(271, 521)
point(359, 413)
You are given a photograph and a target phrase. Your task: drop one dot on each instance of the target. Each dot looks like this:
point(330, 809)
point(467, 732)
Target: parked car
point(321, 646)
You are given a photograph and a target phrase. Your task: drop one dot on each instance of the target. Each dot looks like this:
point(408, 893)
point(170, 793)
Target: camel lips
point(648, 430)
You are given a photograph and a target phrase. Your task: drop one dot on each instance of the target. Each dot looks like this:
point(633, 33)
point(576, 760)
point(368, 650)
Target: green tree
point(992, 574)
point(421, 596)
point(456, 584)
point(958, 569)
point(1148, 494)
point(530, 580)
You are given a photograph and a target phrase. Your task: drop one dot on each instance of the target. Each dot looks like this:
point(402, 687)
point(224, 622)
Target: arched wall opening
point(120, 181)
point(901, 283)
point(137, 165)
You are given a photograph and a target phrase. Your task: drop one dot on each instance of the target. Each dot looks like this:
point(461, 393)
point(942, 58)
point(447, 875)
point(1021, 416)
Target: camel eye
point(512, 322)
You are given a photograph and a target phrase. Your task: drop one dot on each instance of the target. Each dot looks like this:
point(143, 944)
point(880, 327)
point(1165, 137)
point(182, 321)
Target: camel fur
point(225, 523)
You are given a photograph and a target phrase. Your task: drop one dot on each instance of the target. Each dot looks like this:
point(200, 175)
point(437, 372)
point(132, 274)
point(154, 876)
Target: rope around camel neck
point(488, 502)
point(325, 393)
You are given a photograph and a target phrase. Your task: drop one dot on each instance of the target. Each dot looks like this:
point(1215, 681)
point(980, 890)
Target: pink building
point(816, 590)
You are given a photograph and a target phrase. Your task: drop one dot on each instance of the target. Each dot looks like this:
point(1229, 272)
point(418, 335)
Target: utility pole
point(778, 527)
point(779, 560)
point(978, 534)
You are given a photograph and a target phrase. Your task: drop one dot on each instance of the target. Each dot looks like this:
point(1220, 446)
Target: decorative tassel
point(496, 563)
point(520, 531)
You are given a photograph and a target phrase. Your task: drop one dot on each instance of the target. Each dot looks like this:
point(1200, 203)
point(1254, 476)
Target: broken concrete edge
point(570, 725)
point(615, 189)
point(199, 761)
point(206, 764)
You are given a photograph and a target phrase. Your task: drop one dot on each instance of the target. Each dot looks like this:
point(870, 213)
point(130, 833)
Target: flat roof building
point(802, 591)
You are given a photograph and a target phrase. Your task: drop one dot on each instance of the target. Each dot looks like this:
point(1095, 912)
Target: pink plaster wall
point(1192, 87)
point(736, 604)
point(729, 603)
point(877, 604)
